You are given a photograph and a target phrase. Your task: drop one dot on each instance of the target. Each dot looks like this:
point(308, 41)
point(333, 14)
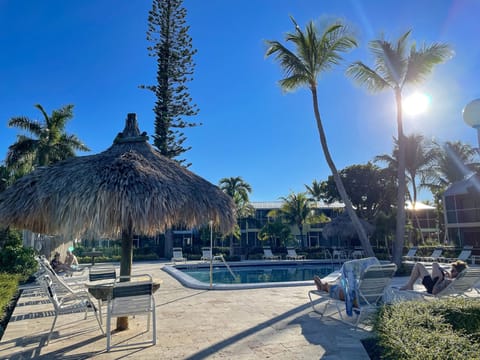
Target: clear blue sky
point(92, 54)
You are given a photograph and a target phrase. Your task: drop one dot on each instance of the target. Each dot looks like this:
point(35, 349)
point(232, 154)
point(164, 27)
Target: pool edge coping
point(192, 283)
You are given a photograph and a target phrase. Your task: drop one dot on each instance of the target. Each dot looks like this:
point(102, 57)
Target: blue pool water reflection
point(260, 273)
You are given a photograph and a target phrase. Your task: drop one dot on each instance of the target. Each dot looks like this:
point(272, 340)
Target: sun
point(416, 103)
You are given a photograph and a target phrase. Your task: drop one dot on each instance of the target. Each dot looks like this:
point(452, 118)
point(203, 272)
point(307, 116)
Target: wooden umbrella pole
point(125, 268)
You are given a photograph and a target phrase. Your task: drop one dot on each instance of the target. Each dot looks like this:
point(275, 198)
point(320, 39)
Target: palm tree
point(296, 210)
point(395, 67)
point(315, 191)
point(5, 177)
point(49, 144)
point(315, 53)
point(453, 162)
point(239, 191)
point(419, 157)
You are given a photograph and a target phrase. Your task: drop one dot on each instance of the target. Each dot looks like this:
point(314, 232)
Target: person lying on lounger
point(333, 288)
point(349, 273)
point(58, 266)
point(437, 280)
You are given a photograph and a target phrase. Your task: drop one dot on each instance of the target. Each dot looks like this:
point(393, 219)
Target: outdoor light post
point(471, 115)
point(211, 253)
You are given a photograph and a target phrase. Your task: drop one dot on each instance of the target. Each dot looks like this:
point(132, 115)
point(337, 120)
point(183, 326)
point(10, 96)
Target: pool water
point(261, 273)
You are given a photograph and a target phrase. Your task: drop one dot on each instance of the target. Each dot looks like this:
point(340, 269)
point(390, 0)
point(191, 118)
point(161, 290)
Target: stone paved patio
point(274, 323)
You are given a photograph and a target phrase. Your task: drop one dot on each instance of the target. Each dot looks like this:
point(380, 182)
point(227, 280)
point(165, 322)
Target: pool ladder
point(227, 266)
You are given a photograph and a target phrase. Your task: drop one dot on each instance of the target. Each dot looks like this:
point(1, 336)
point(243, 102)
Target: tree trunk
point(126, 267)
point(400, 227)
point(168, 246)
point(367, 247)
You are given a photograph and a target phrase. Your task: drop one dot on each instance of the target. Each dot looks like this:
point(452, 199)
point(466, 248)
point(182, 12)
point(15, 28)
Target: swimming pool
point(251, 274)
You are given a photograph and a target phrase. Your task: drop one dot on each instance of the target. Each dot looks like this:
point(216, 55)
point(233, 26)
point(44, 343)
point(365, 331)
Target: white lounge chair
point(267, 254)
point(369, 291)
point(358, 253)
point(207, 255)
point(339, 254)
point(292, 254)
point(132, 295)
point(464, 255)
point(410, 255)
point(66, 304)
point(436, 254)
point(462, 286)
point(178, 255)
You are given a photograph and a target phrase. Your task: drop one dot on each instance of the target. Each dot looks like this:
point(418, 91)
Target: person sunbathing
point(71, 260)
point(58, 266)
point(437, 280)
point(332, 288)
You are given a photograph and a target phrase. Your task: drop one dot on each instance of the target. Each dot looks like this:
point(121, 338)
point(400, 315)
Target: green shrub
point(8, 288)
point(443, 329)
point(18, 260)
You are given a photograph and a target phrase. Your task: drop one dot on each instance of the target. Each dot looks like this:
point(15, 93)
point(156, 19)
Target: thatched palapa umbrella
point(342, 227)
point(127, 189)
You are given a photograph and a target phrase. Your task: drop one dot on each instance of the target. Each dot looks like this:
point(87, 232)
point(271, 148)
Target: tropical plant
point(315, 191)
point(453, 162)
point(277, 232)
point(296, 210)
point(395, 67)
point(5, 177)
point(172, 48)
point(49, 144)
point(239, 190)
point(372, 189)
point(317, 52)
point(419, 157)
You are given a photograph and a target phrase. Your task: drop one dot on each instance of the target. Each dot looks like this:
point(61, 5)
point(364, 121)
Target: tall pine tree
point(172, 47)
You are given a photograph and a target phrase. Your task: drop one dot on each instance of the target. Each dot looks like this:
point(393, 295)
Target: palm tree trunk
point(300, 227)
point(338, 180)
point(400, 228)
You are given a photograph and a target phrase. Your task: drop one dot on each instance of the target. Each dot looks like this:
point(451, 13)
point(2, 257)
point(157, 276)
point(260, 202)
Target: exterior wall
point(46, 245)
point(462, 218)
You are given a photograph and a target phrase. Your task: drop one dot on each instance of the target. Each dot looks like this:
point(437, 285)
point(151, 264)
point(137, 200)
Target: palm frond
point(402, 43)
point(390, 64)
point(421, 62)
point(335, 40)
point(290, 63)
point(365, 76)
point(25, 123)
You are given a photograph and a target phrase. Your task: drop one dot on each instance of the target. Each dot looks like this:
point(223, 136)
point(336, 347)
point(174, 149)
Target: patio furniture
point(63, 284)
point(436, 254)
point(207, 255)
point(132, 295)
point(410, 255)
point(461, 286)
point(369, 291)
point(104, 273)
point(67, 304)
point(267, 254)
point(292, 254)
point(358, 253)
point(339, 254)
point(464, 255)
point(102, 289)
point(178, 255)
point(93, 255)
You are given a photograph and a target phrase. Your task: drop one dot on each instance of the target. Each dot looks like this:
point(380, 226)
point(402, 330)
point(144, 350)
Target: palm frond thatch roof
point(342, 227)
point(129, 186)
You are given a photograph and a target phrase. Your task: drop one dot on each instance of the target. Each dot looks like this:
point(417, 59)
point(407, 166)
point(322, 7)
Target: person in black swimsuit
point(437, 280)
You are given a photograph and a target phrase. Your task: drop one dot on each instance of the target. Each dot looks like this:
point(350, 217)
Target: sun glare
point(416, 103)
